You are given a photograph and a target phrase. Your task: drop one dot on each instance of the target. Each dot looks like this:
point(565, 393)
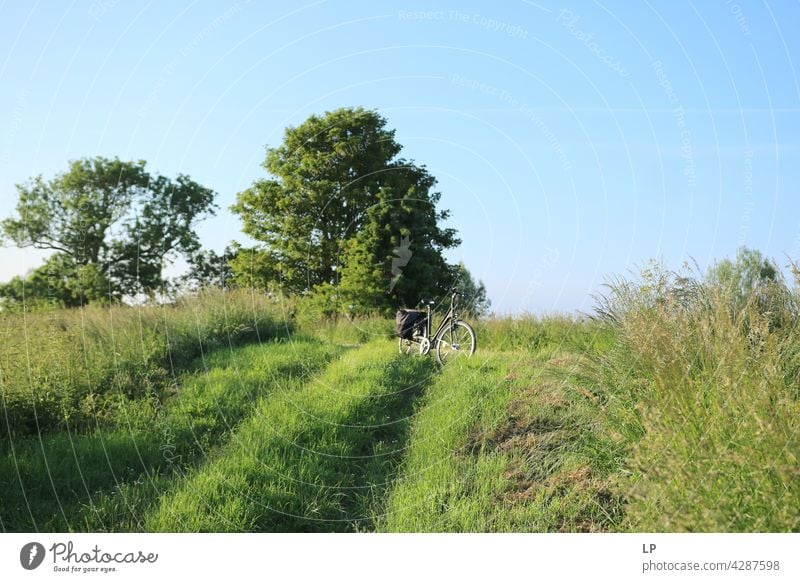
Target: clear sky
point(571, 140)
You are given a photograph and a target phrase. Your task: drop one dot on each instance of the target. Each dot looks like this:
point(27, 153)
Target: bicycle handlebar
point(433, 302)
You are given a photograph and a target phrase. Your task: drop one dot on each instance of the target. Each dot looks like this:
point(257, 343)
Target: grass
point(500, 445)
point(315, 456)
point(349, 330)
point(529, 333)
point(674, 408)
point(701, 388)
point(64, 369)
point(100, 480)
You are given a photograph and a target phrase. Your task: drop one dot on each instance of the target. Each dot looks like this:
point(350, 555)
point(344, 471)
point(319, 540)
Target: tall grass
point(526, 333)
point(70, 367)
point(701, 386)
point(531, 333)
point(106, 479)
point(444, 486)
point(348, 330)
point(674, 409)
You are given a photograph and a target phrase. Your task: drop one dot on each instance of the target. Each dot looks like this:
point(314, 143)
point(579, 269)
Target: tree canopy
point(112, 227)
point(342, 214)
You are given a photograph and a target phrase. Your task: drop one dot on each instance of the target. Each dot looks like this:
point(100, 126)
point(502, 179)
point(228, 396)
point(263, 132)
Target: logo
point(403, 253)
point(31, 555)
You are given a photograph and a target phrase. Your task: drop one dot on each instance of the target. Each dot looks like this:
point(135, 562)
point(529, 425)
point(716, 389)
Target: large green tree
point(112, 227)
point(343, 211)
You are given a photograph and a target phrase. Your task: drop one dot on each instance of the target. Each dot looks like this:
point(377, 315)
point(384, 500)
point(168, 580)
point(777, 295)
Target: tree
point(339, 204)
point(395, 258)
point(751, 280)
point(474, 300)
point(742, 276)
point(211, 269)
point(112, 226)
point(254, 268)
point(44, 287)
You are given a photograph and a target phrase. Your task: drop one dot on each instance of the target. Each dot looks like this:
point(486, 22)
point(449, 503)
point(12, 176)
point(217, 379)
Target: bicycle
point(453, 338)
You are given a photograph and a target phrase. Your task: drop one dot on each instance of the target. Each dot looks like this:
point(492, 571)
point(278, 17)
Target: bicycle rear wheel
point(405, 346)
point(456, 341)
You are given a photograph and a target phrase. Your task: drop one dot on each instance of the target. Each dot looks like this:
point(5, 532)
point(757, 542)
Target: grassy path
point(315, 456)
point(506, 442)
point(307, 436)
point(104, 479)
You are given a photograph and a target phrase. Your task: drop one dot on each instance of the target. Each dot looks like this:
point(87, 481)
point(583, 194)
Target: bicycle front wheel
point(456, 341)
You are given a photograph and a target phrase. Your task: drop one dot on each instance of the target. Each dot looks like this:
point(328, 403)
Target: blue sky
point(571, 140)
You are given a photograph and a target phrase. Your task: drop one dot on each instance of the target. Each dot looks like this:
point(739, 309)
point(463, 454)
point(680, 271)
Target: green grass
point(65, 369)
point(348, 331)
point(701, 388)
point(97, 480)
point(529, 334)
point(315, 456)
point(503, 444)
point(675, 410)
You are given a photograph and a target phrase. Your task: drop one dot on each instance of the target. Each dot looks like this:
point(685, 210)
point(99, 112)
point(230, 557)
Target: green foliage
point(701, 387)
point(339, 206)
point(210, 269)
point(69, 368)
point(112, 226)
point(253, 268)
point(753, 282)
point(744, 275)
point(55, 284)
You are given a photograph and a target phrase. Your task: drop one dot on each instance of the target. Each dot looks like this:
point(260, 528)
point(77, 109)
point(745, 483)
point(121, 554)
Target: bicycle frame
point(449, 318)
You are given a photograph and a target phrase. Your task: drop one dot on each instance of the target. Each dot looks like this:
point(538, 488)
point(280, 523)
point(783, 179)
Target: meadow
point(673, 406)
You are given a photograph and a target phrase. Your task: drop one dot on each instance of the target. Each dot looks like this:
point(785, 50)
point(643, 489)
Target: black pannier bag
point(405, 321)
